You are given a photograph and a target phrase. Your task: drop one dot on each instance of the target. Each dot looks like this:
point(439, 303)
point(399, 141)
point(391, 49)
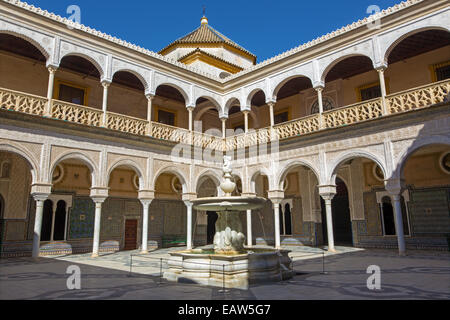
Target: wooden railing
point(405, 101)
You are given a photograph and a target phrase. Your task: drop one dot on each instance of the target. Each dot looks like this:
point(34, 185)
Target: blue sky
point(265, 27)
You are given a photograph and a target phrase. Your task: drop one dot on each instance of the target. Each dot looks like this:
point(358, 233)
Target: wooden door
point(131, 234)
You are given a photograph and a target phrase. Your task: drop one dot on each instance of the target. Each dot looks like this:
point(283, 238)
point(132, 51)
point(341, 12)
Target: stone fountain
point(230, 264)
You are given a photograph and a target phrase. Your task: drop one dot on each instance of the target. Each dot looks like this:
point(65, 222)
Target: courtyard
point(320, 275)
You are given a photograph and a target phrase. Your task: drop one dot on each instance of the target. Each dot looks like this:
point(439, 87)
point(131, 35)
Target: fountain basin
point(230, 271)
point(228, 203)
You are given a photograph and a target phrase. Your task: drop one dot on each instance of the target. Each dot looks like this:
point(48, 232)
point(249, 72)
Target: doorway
point(131, 227)
point(211, 228)
point(342, 224)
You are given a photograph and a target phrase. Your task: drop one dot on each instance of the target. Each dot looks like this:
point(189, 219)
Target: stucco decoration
point(327, 62)
point(143, 74)
point(277, 81)
point(183, 87)
point(388, 40)
point(98, 59)
point(43, 42)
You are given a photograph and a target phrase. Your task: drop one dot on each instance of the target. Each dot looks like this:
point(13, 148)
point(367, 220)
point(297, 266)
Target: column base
point(94, 255)
point(144, 252)
point(332, 250)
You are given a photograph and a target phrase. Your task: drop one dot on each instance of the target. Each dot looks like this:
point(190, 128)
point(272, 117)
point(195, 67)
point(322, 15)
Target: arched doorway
point(342, 224)
point(47, 217)
point(211, 227)
point(59, 231)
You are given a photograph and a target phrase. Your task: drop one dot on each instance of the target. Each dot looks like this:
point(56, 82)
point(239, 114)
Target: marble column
point(51, 81)
point(246, 121)
point(150, 98)
point(105, 85)
point(224, 127)
point(319, 90)
point(98, 216)
point(398, 218)
point(276, 211)
point(383, 89)
point(249, 229)
point(328, 197)
point(189, 225)
point(40, 199)
point(191, 122)
point(272, 116)
point(145, 205)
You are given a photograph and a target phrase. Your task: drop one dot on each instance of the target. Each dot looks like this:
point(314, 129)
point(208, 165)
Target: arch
point(30, 40)
point(77, 156)
point(291, 165)
point(130, 164)
point(261, 171)
point(176, 87)
point(423, 143)
point(392, 43)
point(25, 155)
point(285, 80)
point(252, 93)
point(176, 172)
point(94, 62)
point(328, 67)
point(140, 77)
point(214, 103)
point(205, 174)
point(230, 103)
point(352, 154)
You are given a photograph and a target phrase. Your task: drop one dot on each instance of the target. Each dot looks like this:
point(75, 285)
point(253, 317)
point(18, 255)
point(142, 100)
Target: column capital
point(149, 96)
point(146, 202)
point(276, 196)
point(327, 192)
point(394, 186)
point(190, 107)
point(106, 83)
point(99, 194)
point(381, 67)
point(41, 190)
point(52, 69)
point(188, 197)
point(271, 101)
point(146, 194)
point(319, 86)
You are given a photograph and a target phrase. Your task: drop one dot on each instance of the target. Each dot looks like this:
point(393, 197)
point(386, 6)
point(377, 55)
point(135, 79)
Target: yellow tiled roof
point(206, 34)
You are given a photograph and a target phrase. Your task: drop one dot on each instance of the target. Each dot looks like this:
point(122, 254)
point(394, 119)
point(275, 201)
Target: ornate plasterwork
point(45, 43)
point(96, 58)
point(143, 74)
point(136, 164)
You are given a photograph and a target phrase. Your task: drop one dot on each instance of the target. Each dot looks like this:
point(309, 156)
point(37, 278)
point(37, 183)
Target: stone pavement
point(419, 275)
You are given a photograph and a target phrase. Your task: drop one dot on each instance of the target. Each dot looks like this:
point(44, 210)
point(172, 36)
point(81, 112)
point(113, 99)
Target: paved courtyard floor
point(419, 275)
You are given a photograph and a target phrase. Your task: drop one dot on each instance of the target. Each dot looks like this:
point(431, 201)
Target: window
point(71, 93)
point(281, 117)
point(327, 105)
point(369, 92)
point(441, 71)
point(166, 117)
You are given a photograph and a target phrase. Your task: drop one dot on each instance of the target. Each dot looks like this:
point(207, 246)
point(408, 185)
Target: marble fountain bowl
point(229, 264)
point(258, 265)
